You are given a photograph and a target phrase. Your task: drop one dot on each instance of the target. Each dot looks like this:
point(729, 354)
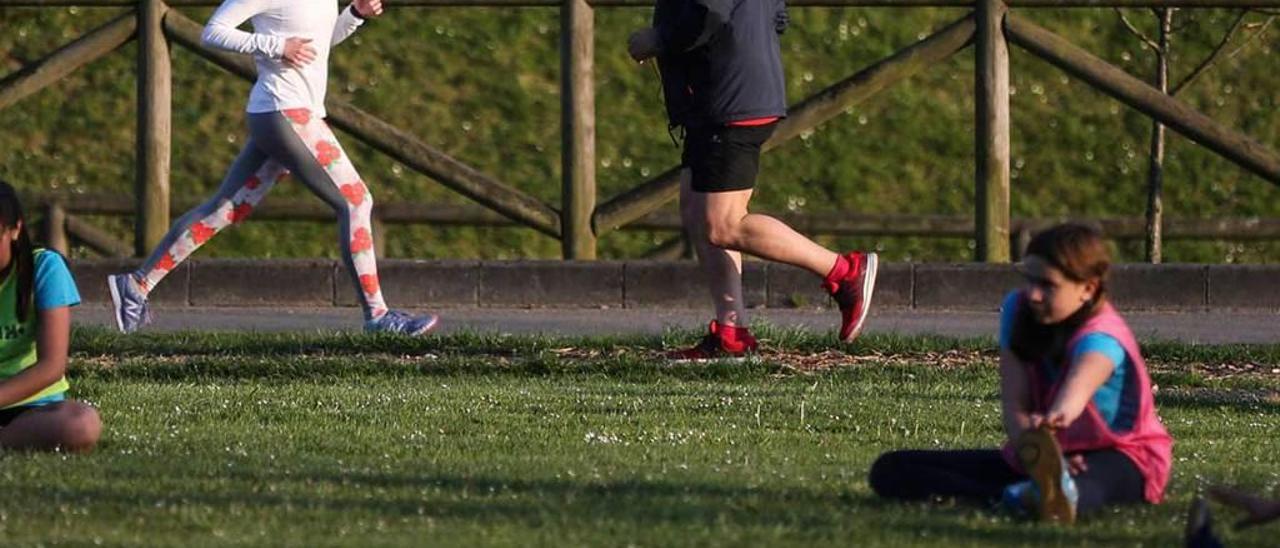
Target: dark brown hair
point(22, 258)
point(1080, 253)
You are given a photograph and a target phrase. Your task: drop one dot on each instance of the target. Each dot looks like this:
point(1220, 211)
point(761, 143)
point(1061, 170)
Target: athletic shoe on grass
point(852, 292)
point(395, 321)
point(722, 342)
point(1020, 499)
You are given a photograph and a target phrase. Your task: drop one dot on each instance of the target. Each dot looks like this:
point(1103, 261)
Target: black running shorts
point(724, 158)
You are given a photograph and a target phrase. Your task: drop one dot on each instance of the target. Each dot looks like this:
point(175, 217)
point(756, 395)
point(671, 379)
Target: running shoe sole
point(1041, 457)
point(726, 359)
point(435, 321)
point(115, 300)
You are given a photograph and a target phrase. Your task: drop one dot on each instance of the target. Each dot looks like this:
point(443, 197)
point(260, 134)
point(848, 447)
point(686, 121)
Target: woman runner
point(287, 134)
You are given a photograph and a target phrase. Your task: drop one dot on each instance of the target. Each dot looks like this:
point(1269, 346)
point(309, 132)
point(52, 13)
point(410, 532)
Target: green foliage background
point(482, 84)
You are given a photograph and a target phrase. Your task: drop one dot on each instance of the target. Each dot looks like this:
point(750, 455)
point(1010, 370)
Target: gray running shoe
point(131, 307)
point(395, 321)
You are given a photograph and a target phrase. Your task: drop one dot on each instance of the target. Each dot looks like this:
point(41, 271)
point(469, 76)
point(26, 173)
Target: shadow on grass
point(315, 367)
point(558, 502)
point(96, 341)
point(1249, 400)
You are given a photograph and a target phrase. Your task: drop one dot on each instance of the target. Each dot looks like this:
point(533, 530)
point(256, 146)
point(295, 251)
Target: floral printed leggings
point(289, 141)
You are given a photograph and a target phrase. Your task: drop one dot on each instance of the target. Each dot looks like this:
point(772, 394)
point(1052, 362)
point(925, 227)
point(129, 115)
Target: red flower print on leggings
point(354, 193)
point(200, 233)
point(327, 153)
point(239, 213)
point(298, 116)
point(361, 241)
point(369, 283)
point(166, 262)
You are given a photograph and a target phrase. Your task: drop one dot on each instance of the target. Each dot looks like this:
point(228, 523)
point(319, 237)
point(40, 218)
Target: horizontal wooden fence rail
point(961, 226)
point(58, 228)
point(833, 224)
point(65, 60)
point(309, 210)
point(100, 241)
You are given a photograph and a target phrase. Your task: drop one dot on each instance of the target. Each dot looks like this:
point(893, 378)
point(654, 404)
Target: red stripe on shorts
point(754, 122)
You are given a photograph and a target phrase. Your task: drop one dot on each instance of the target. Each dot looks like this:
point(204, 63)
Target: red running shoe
point(853, 292)
point(721, 343)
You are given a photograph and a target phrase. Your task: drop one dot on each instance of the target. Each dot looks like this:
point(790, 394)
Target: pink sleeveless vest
point(1148, 444)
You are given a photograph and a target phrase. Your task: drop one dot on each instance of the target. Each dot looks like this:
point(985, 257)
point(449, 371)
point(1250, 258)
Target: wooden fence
point(581, 218)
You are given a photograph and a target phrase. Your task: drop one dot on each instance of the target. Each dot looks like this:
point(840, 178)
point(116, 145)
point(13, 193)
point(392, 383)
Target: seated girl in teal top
point(36, 296)
point(1116, 399)
point(54, 288)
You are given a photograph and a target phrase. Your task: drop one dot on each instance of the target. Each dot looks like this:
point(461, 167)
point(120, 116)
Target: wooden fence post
point(151, 188)
point(55, 228)
point(991, 141)
point(577, 130)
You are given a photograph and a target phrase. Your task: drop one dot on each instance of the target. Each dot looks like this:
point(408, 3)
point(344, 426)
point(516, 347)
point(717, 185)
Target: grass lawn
point(327, 439)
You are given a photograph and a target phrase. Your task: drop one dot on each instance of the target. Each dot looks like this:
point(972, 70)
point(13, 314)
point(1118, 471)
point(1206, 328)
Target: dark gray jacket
point(720, 59)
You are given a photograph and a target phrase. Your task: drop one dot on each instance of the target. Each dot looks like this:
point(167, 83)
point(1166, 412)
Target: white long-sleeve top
point(279, 85)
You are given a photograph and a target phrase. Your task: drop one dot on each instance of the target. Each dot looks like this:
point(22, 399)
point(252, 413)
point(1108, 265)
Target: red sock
point(838, 272)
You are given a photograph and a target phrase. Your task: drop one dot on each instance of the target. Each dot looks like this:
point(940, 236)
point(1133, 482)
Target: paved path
point(1203, 327)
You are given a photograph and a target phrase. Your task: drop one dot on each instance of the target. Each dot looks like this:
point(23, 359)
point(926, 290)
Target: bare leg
point(730, 226)
point(716, 216)
point(722, 267)
point(70, 425)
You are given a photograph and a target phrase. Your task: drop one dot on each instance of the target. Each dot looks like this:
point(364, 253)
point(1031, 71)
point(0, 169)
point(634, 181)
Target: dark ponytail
point(22, 252)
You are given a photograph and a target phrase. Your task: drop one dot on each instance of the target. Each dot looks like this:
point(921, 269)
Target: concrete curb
point(660, 284)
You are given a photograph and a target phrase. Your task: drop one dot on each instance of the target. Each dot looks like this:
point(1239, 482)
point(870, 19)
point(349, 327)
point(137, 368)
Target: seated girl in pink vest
point(1081, 424)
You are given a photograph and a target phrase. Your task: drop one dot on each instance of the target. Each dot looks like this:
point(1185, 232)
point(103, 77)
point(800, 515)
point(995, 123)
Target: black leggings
point(1110, 478)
